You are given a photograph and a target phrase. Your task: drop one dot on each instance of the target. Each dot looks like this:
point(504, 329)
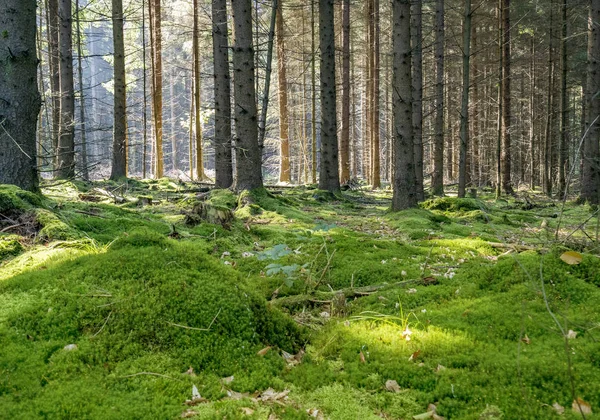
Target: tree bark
point(200, 176)
point(505, 157)
point(328, 171)
point(119, 155)
point(437, 177)
point(464, 108)
point(248, 156)
point(19, 97)
point(66, 140)
point(417, 85)
point(562, 145)
point(284, 165)
point(54, 69)
point(591, 157)
point(405, 194)
point(84, 159)
point(375, 129)
point(223, 162)
point(313, 24)
point(157, 96)
point(345, 133)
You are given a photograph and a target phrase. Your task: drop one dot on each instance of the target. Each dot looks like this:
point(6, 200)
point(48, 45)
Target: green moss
point(10, 245)
point(223, 198)
point(453, 204)
point(162, 307)
point(15, 200)
point(52, 228)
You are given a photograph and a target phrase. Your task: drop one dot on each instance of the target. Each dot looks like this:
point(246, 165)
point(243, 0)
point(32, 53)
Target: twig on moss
point(103, 325)
point(194, 328)
point(151, 374)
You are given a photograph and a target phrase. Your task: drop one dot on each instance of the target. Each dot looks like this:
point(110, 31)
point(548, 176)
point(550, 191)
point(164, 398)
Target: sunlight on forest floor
point(161, 298)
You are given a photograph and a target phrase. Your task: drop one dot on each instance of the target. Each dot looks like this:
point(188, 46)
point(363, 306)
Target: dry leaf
point(190, 372)
point(270, 395)
point(580, 406)
point(227, 380)
point(234, 395)
point(189, 413)
point(414, 356)
point(272, 417)
point(571, 335)
point(558, 408)
point(392, 385)
point(314, 413)
point(571, 257)
point(247, 411)
point(264, 351)
point(362, 357)
point(526, 340)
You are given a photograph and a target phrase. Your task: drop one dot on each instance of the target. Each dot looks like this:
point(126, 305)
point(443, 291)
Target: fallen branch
point(513, 246)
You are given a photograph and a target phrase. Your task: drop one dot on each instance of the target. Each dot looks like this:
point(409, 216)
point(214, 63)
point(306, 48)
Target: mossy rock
point(10, 246)
point(14, 200)
point(51, 227)
point(453, 204)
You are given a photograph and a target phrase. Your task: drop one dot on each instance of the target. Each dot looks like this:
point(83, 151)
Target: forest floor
point(156, 299)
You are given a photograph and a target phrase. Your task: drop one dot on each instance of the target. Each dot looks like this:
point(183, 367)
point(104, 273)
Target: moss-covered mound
point(148, 305)
point(453, 204)
point(14, 199)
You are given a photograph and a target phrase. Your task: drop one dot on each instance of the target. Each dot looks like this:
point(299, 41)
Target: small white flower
point(406, 334)
point(383, 261)
point(227, 262)
point(225, 254)
point(247, 254)
point(411, 291)
point(403, 273)
point(423, 310)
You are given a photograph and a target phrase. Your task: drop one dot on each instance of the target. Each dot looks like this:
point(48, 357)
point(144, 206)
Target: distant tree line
point(413, 94)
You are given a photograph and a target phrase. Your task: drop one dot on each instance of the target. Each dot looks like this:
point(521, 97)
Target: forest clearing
point(289, 209)
point(295, 306)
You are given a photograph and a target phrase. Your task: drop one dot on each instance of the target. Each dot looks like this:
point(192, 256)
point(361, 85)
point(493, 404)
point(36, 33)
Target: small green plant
point(401, 320)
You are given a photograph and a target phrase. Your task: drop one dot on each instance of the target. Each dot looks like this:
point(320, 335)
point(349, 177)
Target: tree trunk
point(284, 165)
point(405, 194)
point(66, 140)
point(248, 156)
point(591, 157)
point(345, 133)
point(84, 160)
point(223, 162)
point(475, 155)
point(505, 157)
point(417, 85)
point(119, 155)
point(328, 171)
point(375, 129)
point(437, 177)
point(464, 108)
point(157, 96)
point(197, 100)
point(313, 95)
point(562, 145)
point(20, 99)
point(144, 88)
point(262, 123)
point(54, 70)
